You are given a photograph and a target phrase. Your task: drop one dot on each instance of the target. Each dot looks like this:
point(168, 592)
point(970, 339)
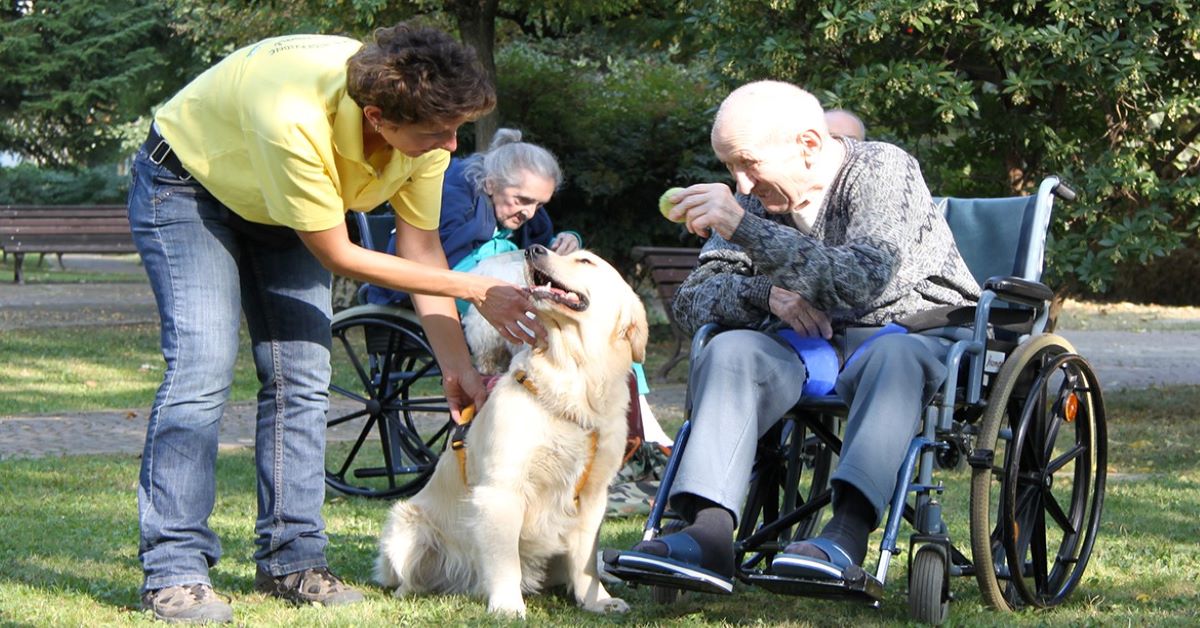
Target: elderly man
point(823, 234)
point(843, 123)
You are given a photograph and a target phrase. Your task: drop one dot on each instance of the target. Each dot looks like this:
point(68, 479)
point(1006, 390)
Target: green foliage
point(217, 28)
point(76, 72)
point(991, 97)
point(623, 128)
point(27, 184)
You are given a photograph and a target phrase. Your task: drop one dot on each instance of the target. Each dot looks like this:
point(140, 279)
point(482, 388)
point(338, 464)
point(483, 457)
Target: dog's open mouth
point(543, 286)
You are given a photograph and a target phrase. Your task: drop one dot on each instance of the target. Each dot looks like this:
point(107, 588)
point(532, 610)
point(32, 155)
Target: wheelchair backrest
point(374, 229)
point(999, 236)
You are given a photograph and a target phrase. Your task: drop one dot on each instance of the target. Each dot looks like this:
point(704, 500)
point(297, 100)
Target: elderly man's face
point(772, 168)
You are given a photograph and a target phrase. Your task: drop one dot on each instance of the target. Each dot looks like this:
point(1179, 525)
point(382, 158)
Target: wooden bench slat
point(51, 215)
point(670, 261)
point(74, 218)
point(85, 208)
point(106, 232)
point(65, 229)
point(78, 238)
point(640, 251)
point(90, 247)
point(58, 222)
point(669, 275)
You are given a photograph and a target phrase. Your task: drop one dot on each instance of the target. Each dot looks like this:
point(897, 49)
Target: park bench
point(62, 229)
point(666, 268)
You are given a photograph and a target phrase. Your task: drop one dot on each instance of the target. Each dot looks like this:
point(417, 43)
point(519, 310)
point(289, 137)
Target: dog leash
point(458, 438)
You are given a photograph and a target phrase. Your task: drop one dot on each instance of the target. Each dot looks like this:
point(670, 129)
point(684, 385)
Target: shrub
point(27, 184)
point(624, 129)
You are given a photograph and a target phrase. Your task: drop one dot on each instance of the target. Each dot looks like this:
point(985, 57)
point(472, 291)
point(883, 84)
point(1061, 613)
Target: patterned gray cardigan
point(878, 250)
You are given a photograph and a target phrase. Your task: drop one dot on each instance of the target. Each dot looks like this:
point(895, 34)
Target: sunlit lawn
point(68, 538)
point(68, 526)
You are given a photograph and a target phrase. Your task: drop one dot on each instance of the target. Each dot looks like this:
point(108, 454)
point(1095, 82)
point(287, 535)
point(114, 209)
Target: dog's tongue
point(558, 293)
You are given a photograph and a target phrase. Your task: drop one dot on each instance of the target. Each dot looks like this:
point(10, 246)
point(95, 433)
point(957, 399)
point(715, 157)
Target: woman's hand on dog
point(463, 389)
point(504, 306)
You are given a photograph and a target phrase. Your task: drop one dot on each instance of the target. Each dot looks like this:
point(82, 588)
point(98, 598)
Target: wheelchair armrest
point(703, 335)
point(1017, 290)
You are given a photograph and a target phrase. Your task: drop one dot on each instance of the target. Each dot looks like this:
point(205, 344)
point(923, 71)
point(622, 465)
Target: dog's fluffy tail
point(415, 558)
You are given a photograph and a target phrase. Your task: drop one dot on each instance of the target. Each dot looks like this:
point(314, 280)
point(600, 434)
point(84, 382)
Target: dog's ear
point(637, 330)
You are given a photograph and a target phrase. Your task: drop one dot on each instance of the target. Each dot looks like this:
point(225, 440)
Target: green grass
point(68, 369)
point(73, 369)
point(114, 367)
point(68, 526)
point(68, 539)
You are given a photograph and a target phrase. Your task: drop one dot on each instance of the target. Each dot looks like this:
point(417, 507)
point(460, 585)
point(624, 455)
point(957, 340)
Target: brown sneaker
point(317, 585)
point(187, 603)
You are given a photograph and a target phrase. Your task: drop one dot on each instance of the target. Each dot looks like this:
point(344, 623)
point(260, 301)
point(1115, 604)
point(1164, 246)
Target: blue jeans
point(208, 267)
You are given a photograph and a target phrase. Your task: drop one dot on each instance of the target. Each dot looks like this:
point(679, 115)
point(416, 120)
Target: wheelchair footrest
point(680, 579)
point(866, 589)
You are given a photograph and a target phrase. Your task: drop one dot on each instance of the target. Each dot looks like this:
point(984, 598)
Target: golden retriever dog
point(521, 510)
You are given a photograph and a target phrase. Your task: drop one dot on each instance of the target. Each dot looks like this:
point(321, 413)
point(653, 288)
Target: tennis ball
point(665, 204)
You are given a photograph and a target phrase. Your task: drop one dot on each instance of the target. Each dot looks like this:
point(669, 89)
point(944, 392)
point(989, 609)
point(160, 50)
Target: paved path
point(1121, 359)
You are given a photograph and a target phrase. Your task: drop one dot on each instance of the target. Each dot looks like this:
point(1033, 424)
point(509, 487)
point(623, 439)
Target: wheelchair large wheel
point(1037, 489)
point(388, 418)
point(791, 472)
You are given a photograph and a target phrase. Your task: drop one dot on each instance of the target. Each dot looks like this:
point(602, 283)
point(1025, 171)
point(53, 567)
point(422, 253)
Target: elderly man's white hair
point(769, 110)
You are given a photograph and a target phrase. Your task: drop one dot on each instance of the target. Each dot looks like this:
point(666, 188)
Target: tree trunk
point(477, 27)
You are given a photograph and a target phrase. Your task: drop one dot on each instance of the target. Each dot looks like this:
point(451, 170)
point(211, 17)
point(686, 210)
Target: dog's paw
point(504, 606)
point(607, 605)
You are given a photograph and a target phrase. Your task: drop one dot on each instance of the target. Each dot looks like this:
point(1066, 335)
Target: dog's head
point(583, 293)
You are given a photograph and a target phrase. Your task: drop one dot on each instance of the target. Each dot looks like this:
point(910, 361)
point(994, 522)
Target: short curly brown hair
point(419, 74)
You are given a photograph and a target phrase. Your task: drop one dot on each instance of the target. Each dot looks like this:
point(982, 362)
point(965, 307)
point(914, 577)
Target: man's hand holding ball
point(665, 205)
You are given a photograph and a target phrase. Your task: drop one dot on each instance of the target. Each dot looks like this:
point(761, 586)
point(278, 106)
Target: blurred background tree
point(990, 97)
point(993, 96)
point(77, 73)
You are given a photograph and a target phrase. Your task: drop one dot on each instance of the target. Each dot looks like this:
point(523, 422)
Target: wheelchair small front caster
point(927, 599)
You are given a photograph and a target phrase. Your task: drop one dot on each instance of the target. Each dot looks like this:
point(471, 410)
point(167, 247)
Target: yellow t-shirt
point(272, 134)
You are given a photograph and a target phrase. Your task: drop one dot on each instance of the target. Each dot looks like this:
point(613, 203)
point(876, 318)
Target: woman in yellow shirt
point(238, 205)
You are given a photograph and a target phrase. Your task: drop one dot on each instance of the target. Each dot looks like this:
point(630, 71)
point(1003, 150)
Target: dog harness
point(458, 439)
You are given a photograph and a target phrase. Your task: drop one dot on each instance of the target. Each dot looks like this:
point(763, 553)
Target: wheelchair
point(388, 420)
point(1019, 406)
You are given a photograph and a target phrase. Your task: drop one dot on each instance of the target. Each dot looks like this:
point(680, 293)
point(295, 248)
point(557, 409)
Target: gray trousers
point(744, 381)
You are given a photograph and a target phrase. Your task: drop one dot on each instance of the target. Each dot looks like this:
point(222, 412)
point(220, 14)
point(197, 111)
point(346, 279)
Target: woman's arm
point(439, 318)
point(423, 273)
point(501, 303)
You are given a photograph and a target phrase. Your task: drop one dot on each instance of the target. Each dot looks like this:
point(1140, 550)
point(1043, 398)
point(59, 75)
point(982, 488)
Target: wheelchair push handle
point(1065, 193)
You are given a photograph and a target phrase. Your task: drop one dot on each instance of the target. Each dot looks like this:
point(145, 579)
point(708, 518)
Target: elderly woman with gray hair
point(494, 202)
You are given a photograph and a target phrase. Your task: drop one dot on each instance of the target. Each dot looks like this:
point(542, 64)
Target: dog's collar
point(523, 379)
